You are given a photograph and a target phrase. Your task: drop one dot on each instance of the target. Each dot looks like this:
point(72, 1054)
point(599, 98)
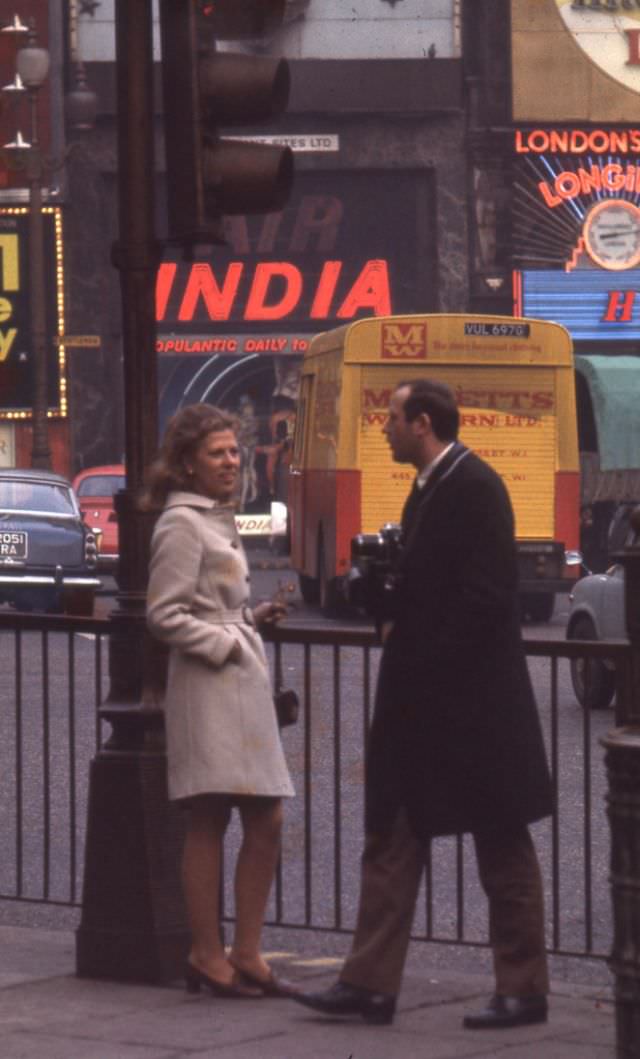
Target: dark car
point(48, 555)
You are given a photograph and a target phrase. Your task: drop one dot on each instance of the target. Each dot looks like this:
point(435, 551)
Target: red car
point(95, 488)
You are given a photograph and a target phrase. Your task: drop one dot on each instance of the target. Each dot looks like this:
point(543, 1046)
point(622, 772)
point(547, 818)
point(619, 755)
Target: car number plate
point(13, 545)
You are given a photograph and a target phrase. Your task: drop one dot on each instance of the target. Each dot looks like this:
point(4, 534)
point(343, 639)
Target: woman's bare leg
point(257, 860)
point(201, 863)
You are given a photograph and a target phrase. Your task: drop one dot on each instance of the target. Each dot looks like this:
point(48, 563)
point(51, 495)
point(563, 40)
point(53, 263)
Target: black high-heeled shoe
point(271, 986)
point(195, 978)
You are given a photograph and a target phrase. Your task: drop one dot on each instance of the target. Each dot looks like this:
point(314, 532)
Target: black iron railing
point(334, 670)
point(55, 679)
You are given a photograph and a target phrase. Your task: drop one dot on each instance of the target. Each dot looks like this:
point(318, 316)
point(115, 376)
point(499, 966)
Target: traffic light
point(204, 88)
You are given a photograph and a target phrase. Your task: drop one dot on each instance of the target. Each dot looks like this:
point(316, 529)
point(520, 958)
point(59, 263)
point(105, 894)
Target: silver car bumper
point(48, 580)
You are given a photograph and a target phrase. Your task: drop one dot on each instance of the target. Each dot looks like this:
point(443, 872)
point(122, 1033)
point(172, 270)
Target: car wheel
point(593, 682)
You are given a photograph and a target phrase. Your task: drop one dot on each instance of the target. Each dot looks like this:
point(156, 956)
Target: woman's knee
point(262, 821)
point(209, 814)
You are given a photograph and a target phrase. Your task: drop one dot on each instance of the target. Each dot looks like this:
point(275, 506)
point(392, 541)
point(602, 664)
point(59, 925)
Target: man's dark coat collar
point(417, 497)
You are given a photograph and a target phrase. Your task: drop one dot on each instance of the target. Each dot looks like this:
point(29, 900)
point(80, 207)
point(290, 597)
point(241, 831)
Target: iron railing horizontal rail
point(36, 622)
point(365, 636)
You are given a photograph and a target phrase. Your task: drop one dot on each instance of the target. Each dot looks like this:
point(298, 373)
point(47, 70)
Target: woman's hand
point(270, 612)
point(235, 654)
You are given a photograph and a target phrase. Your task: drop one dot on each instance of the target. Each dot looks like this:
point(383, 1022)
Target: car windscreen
point(36, 496)
point(101, 485)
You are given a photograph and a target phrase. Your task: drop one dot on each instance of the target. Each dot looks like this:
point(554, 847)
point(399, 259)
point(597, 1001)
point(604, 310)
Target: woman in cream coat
point(223, 744)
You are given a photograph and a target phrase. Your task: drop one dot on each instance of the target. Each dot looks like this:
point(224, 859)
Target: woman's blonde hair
point(185, 430)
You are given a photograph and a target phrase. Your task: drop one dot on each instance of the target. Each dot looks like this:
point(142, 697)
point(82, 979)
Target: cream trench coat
point(222, 733)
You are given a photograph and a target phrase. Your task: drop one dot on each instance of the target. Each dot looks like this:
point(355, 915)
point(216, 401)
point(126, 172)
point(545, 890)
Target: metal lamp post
point(133, 924)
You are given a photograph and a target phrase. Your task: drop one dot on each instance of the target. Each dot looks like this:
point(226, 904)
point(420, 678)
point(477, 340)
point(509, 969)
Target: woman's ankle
point(254, 962)
point(208, 961)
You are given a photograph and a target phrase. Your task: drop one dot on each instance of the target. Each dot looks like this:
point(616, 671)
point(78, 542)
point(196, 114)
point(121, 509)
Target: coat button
point(234, 544)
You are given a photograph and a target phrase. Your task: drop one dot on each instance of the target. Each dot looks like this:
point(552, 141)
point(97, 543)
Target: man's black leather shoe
point(345, 999)
point(503, 1012)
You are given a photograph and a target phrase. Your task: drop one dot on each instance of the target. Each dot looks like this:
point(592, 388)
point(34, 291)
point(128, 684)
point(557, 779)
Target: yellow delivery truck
point(514, 381)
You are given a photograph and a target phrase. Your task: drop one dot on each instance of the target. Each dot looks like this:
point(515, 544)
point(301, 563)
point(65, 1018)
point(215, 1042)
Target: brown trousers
point(392, 868)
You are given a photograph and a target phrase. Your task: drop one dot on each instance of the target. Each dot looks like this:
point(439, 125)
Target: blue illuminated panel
point(591, 304)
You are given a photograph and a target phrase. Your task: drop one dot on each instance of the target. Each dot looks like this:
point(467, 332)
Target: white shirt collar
point(426, 472)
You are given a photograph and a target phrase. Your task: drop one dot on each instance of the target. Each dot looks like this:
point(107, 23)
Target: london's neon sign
point(577, 141)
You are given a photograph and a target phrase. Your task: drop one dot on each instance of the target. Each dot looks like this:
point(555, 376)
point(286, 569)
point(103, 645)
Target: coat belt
point(241, 616)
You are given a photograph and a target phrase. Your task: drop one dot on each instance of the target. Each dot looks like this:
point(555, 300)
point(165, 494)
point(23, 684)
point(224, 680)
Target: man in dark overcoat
point(455, 745)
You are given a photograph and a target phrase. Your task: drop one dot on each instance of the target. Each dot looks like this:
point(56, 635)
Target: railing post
point(623, 770)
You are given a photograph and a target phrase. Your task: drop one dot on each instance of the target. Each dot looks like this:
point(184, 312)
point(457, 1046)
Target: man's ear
point(423, 423)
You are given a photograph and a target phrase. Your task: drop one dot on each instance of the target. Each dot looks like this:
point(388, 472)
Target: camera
point(373, 557)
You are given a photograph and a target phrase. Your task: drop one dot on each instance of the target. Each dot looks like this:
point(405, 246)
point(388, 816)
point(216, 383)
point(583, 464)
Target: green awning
point(614, 384)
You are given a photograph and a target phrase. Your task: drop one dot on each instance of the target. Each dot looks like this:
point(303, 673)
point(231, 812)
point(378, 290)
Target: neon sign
point(275, 291)
point(577, 141)
point(576, 205)
point(591, 303)
point(569, 183)
point(349, 244)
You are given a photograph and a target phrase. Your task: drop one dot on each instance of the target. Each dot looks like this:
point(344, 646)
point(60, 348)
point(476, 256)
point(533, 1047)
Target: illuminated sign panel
point(344, 247)
point(576, 227)
point(233, 324)
point(16, 360)
point(576, 203)
point(577, 141)
point(592, 304)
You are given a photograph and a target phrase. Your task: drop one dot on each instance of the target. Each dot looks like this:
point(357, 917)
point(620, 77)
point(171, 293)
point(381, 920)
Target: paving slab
point(46, 1012)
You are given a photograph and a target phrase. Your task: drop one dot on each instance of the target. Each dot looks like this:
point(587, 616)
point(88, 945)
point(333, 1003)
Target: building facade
point(575, 145)
point(399, 205)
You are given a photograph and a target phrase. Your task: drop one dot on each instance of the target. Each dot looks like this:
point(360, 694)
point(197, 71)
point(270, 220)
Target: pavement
point(49, 1013)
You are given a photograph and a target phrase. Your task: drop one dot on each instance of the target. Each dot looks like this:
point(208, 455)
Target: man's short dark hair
point(438, 401)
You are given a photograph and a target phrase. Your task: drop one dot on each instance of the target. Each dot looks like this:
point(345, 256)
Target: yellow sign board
point(77, 340)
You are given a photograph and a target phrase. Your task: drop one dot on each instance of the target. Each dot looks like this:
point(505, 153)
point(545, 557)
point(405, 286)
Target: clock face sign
point(607, 35)
point(612, 234)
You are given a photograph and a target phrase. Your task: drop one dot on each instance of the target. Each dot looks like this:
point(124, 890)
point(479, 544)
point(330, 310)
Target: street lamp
point(32, 67)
